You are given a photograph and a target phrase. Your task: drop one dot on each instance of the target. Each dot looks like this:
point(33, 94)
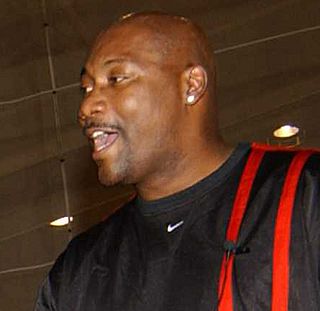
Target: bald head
point(176, 34)
point(174, 39)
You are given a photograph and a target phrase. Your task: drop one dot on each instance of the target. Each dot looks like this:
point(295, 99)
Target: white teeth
point(96, 134)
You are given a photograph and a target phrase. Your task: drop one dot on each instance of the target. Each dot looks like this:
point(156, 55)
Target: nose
point(91, 106)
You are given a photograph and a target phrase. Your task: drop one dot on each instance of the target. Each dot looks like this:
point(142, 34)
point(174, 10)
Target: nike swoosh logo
point(172, 227)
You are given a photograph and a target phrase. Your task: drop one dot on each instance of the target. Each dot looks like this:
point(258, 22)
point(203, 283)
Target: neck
point(188, 171)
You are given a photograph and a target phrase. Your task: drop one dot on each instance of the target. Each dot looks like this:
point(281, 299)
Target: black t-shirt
point(166, 254)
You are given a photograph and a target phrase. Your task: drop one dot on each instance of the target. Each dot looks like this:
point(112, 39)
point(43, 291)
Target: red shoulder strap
point(282, 234)
point(280, 274)
point(225, 301)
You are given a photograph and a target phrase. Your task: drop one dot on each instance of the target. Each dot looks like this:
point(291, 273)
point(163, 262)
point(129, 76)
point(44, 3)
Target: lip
point(98, 153)
point(89, 131)
point(102, 142)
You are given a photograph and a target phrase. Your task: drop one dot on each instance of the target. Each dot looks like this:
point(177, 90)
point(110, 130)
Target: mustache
point(100, 125)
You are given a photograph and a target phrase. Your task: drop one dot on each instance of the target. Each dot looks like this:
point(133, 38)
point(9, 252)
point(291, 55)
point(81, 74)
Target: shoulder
point(313, 163)
point(282, 158)
point(85, 247)
point(102, 233)
point(299, 169)
point(278, 166)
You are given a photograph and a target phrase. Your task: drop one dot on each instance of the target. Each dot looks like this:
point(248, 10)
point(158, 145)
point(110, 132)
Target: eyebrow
point(107, 63)
point(115, 61)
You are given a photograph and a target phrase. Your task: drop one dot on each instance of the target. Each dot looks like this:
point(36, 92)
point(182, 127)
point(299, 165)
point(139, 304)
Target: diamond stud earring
point(190, 99)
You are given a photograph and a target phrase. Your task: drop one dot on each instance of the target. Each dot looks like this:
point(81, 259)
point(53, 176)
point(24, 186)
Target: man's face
point(131, 106)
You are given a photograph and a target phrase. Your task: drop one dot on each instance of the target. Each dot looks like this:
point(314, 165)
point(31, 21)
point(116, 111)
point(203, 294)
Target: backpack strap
point(225, 297)
point(282, 233)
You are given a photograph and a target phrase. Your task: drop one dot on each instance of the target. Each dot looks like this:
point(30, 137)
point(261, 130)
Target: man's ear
point(197, 80)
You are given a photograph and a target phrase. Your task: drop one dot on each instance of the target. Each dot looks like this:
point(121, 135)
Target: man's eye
point(116, 79)
point(87, 89)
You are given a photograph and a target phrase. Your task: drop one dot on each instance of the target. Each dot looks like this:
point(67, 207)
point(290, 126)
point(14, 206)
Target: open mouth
point(102, 140)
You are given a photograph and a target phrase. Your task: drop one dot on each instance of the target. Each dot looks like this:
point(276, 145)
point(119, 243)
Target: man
point(212, 227)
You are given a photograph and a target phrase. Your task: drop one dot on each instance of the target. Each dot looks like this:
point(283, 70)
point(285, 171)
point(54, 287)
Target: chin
point(107, 181)
point(110, 175)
